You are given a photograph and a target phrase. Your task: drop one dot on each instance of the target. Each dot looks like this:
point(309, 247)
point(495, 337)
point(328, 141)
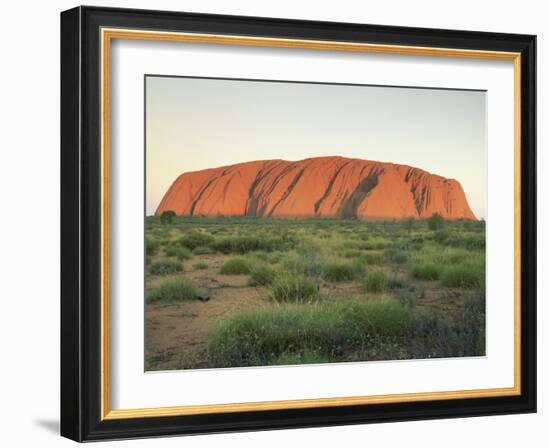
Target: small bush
point(174, 290)
point(436, 222)
point(340, 271)
point(468, 274)
point(167, 217)
point(395, 282)
point(292, 287)
point(371, 258)
point(302, 263)
point(426, 271)
point(201, 265)
point(261, 275)
point(244, 244)
point(195, 239)
point(235, 266)
point(203, 250)
point(396, 256)
point(376, 282)
point(164, 267)
point(181, 253)
point(151, 246)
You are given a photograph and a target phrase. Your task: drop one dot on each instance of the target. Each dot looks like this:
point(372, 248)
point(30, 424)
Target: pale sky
point(194, 123)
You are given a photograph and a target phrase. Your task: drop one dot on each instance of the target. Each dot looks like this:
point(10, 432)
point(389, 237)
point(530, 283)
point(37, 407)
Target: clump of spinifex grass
point(151, 246)
point(371, 258)
point(294, 288)
point(174, 290)
point(261, 275)
point(341, 271)
point(426, 271)
point(467, 274)
point(165, 267)
point(201, 265)
point(396, 256)
point(375, 282)
point(236, 266)
point(195, 239)
point(181, 253)
point(243, 244)
point(300, 334)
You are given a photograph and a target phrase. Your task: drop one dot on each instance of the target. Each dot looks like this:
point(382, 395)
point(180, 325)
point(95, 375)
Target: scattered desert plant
point(235, 266)
point(376, 282)
point(167, 217)
point(164, 267)
point(294, 288)
point(174, 290)
point(261, 275)
point(200, 265)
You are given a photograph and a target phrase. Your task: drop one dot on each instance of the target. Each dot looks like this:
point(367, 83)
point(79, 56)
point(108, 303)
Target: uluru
point(330, 187)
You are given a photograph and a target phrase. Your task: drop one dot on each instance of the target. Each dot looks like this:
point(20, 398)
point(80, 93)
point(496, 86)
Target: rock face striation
point(335, 187)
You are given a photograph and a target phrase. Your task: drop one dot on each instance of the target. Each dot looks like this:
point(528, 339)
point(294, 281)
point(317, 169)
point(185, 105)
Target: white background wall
point(29, 207)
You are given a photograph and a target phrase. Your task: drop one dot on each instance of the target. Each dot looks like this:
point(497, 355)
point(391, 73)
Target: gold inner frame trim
point(107, 35)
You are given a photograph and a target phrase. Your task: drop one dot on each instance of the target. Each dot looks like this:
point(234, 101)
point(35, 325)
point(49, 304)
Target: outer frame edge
point(71, 381)
point(526, 403)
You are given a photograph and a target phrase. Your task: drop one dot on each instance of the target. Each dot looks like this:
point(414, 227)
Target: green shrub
point(151, 246)
point(293, 287)
point(235, 266)
point(336, 271)
point(468, 241)
point(296, 334)
point(426, 271)
point(302, 263)
point(195, 239)
point(201, 265)
point(376, 282)
point(181, 253)
point(436, 222)
point(244, 244)
point(167, 217)
point(203, 250)
point(261, 275)
point(372, 258)
point(396, 256)
point(408, 224)
point(164, 267)
point(468, 274)
point(395, 282)
point(174, 290)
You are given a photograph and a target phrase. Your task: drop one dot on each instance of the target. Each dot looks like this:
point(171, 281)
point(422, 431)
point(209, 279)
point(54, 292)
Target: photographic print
point(296, 223)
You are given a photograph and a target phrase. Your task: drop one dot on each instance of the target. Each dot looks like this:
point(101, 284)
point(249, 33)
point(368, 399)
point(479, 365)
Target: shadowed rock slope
point(316, 187)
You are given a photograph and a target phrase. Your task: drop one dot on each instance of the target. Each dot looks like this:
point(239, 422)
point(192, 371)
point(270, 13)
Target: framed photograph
point(272, 223)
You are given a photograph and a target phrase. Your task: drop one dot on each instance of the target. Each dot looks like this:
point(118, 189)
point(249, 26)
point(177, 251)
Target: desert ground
point(233, 292)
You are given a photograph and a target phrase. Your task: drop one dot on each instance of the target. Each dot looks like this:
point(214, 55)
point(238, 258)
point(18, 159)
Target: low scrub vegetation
point(165, 267)
point(376, 282)
point(261, 275)
point(174, 290)
point(236, 266)
point(318, 333)
point(294, 288)
point(312, 291)
point(426, 271)
point(181, 253)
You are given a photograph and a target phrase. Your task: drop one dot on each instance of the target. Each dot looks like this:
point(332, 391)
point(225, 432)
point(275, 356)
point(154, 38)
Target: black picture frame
point(81, 224)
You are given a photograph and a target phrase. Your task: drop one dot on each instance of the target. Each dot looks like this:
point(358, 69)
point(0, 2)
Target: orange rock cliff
point(331, 187)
